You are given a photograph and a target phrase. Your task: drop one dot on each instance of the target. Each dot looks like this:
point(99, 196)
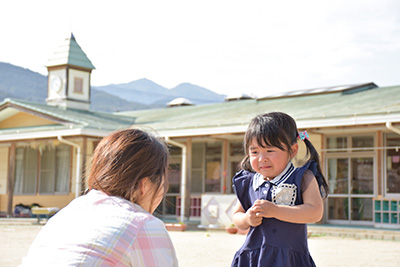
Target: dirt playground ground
point(216, 248)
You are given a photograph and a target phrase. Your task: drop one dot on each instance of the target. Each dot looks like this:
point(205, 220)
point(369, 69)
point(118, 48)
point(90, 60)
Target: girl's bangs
point(267, 138)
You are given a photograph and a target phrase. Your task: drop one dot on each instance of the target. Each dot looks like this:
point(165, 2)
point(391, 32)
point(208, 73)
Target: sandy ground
point(215, 248)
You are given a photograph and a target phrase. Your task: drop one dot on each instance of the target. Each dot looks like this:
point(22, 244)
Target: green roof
point(70, 53)
point(334, 109)
point(338, 108)
point(67, 118)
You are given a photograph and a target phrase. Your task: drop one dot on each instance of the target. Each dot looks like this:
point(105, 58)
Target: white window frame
point(384, 170)
point(37, 189)
point(350, 153)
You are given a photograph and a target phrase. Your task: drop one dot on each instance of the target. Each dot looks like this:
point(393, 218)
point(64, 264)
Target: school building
point(45, 148)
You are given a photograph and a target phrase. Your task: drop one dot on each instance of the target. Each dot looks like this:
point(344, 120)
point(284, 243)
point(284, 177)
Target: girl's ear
point(295, 149)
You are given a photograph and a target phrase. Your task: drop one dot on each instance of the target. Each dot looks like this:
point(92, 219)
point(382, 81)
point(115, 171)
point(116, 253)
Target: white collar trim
point(258, 179)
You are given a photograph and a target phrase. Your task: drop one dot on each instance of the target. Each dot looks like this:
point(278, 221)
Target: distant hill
point(102, 101)
point(17, 82)
point(21, 83)
point(148, 92)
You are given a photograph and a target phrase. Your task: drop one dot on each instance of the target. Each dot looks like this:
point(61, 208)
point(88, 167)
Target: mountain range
point(20, 83)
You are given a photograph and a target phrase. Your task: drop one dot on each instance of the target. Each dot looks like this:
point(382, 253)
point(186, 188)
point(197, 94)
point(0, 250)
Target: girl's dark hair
point(122, 159)
point(279, 130)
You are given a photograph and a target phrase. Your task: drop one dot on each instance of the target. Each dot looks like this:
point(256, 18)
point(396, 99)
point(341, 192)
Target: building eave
point(301, 124)
point(15, 136)
point(349, 121)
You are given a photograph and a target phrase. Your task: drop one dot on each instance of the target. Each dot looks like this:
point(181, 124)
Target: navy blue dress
point(274, 242)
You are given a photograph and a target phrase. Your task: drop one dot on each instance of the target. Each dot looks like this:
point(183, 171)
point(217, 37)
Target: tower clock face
point(55, 84)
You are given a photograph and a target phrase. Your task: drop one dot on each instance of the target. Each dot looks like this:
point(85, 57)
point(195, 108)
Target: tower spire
point(69, 76)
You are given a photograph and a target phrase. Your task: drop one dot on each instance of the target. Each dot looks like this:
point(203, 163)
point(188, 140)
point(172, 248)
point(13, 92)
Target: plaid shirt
point(101, 230)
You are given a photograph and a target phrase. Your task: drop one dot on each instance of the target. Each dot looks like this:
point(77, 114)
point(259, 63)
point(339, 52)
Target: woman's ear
point(144, 186)
point(295, 149)
point(143, 198)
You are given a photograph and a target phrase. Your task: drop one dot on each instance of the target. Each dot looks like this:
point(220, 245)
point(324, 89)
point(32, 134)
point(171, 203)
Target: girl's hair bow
point(303, 135)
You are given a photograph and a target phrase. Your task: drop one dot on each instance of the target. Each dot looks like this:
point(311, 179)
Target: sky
point(230, 47)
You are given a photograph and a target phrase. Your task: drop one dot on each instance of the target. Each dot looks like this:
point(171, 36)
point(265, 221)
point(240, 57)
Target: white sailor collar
point(258, 179)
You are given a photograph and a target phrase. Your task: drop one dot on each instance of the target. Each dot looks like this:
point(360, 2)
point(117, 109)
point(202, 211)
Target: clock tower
point(69, 76)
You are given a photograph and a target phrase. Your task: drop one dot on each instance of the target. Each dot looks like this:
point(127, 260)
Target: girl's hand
point(309, 212)
point(253, 219)
point(263, 208)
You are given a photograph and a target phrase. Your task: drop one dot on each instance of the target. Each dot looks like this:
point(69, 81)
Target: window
point(350, 175)
point(168, 205)
point(174, 170)
point(213, 167)
point(361, 209)
point(338, 208)
point(206, 167)
point(393, 164)
point(196, 184)
point(174, 177)
point(78, 85)
point(44, 170)
point(358, 143)
point(26, 171)
point(362, 178)
point(236, 149)
point(236, 155)
point(338, 177)
point(338, 143)
point(365, 143)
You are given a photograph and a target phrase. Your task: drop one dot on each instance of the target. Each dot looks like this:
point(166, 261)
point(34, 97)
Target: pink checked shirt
point(99, 230)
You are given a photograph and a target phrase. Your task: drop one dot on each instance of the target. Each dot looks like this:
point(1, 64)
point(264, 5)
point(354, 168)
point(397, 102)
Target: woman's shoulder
point(154, 224)
point(133, 220)
point(121, 210)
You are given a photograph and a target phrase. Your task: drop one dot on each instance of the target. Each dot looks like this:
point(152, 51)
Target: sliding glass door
point(350, 174)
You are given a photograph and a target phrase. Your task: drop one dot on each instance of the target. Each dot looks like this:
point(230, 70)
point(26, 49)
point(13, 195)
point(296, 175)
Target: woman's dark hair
point(278, 129)
point(122, 159)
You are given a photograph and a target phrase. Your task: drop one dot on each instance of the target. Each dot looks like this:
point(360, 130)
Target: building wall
point(90, 147)
point(20, 120)
point(59, 201)
point(86, 153)
point(85, 157)
point(3, 169)
point(316, 140)
point(3, 177)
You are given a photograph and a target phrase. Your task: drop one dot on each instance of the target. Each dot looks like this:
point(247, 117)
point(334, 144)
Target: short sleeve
point(241, 183)
point(307, 179)
point(153, 246)
point(312, 168)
